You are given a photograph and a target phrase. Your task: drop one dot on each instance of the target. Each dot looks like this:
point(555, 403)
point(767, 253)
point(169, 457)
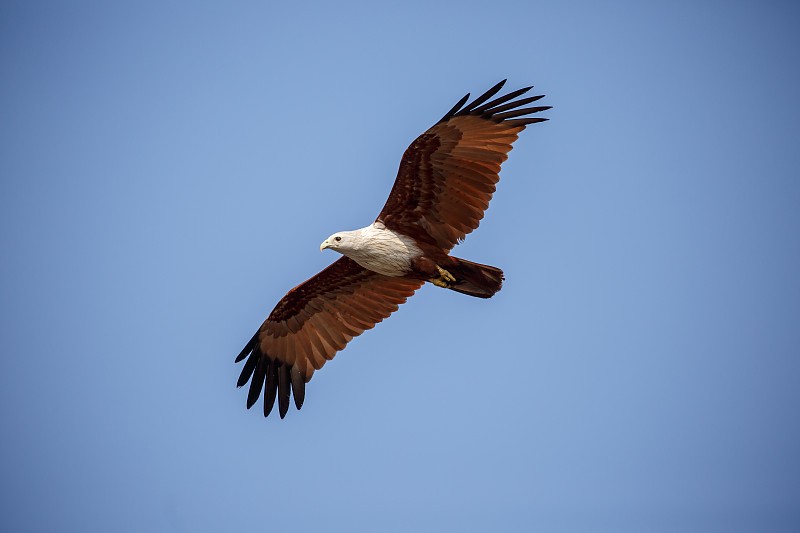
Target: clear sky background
point(169, 170)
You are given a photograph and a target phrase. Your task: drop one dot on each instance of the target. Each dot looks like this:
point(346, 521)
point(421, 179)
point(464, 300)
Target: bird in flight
point(446, 178)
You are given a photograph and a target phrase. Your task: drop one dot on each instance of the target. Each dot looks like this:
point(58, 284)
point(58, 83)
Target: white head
point(343, 241)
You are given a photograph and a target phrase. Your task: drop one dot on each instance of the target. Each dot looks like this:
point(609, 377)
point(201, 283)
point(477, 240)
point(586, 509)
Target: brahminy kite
point(446, 179)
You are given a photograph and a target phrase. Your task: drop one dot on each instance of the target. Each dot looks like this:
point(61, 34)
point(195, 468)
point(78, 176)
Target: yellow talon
point(445, 275)
point(445, 278)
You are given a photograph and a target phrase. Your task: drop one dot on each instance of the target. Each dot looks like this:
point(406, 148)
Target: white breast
point(384, 251)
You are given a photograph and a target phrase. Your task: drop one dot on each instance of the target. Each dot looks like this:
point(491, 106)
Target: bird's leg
point(445, 278)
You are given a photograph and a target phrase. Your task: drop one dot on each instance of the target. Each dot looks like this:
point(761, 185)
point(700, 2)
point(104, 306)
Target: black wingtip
point(283, 390)
point(524, 121)
point(455, 108)
point(271, 388)
point(486, 109)
point(512, 105)
point(248, 348)
point(500, 109)
point(518, 112)
point(298, 387)
point(247, 371)
point(275, 378)
point(257, 382)
point(482, 98)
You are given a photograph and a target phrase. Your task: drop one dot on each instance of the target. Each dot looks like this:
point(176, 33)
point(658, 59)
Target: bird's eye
point(337, 239)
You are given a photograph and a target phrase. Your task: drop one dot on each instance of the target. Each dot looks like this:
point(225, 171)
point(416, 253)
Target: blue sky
point(168, 171)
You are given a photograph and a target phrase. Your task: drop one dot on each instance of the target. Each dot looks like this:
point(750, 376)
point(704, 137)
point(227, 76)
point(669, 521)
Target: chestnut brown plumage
point(311, 323)
point(446, 179)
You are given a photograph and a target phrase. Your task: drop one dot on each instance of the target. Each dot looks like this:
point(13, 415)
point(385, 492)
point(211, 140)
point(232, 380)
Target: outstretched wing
point(448, 174)
point(311, 323)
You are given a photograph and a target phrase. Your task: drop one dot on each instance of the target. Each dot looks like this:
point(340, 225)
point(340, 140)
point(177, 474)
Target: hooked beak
point(325, 244)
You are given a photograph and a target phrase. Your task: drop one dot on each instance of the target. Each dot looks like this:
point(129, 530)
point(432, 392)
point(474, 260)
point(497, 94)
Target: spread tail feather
point(475, 279)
